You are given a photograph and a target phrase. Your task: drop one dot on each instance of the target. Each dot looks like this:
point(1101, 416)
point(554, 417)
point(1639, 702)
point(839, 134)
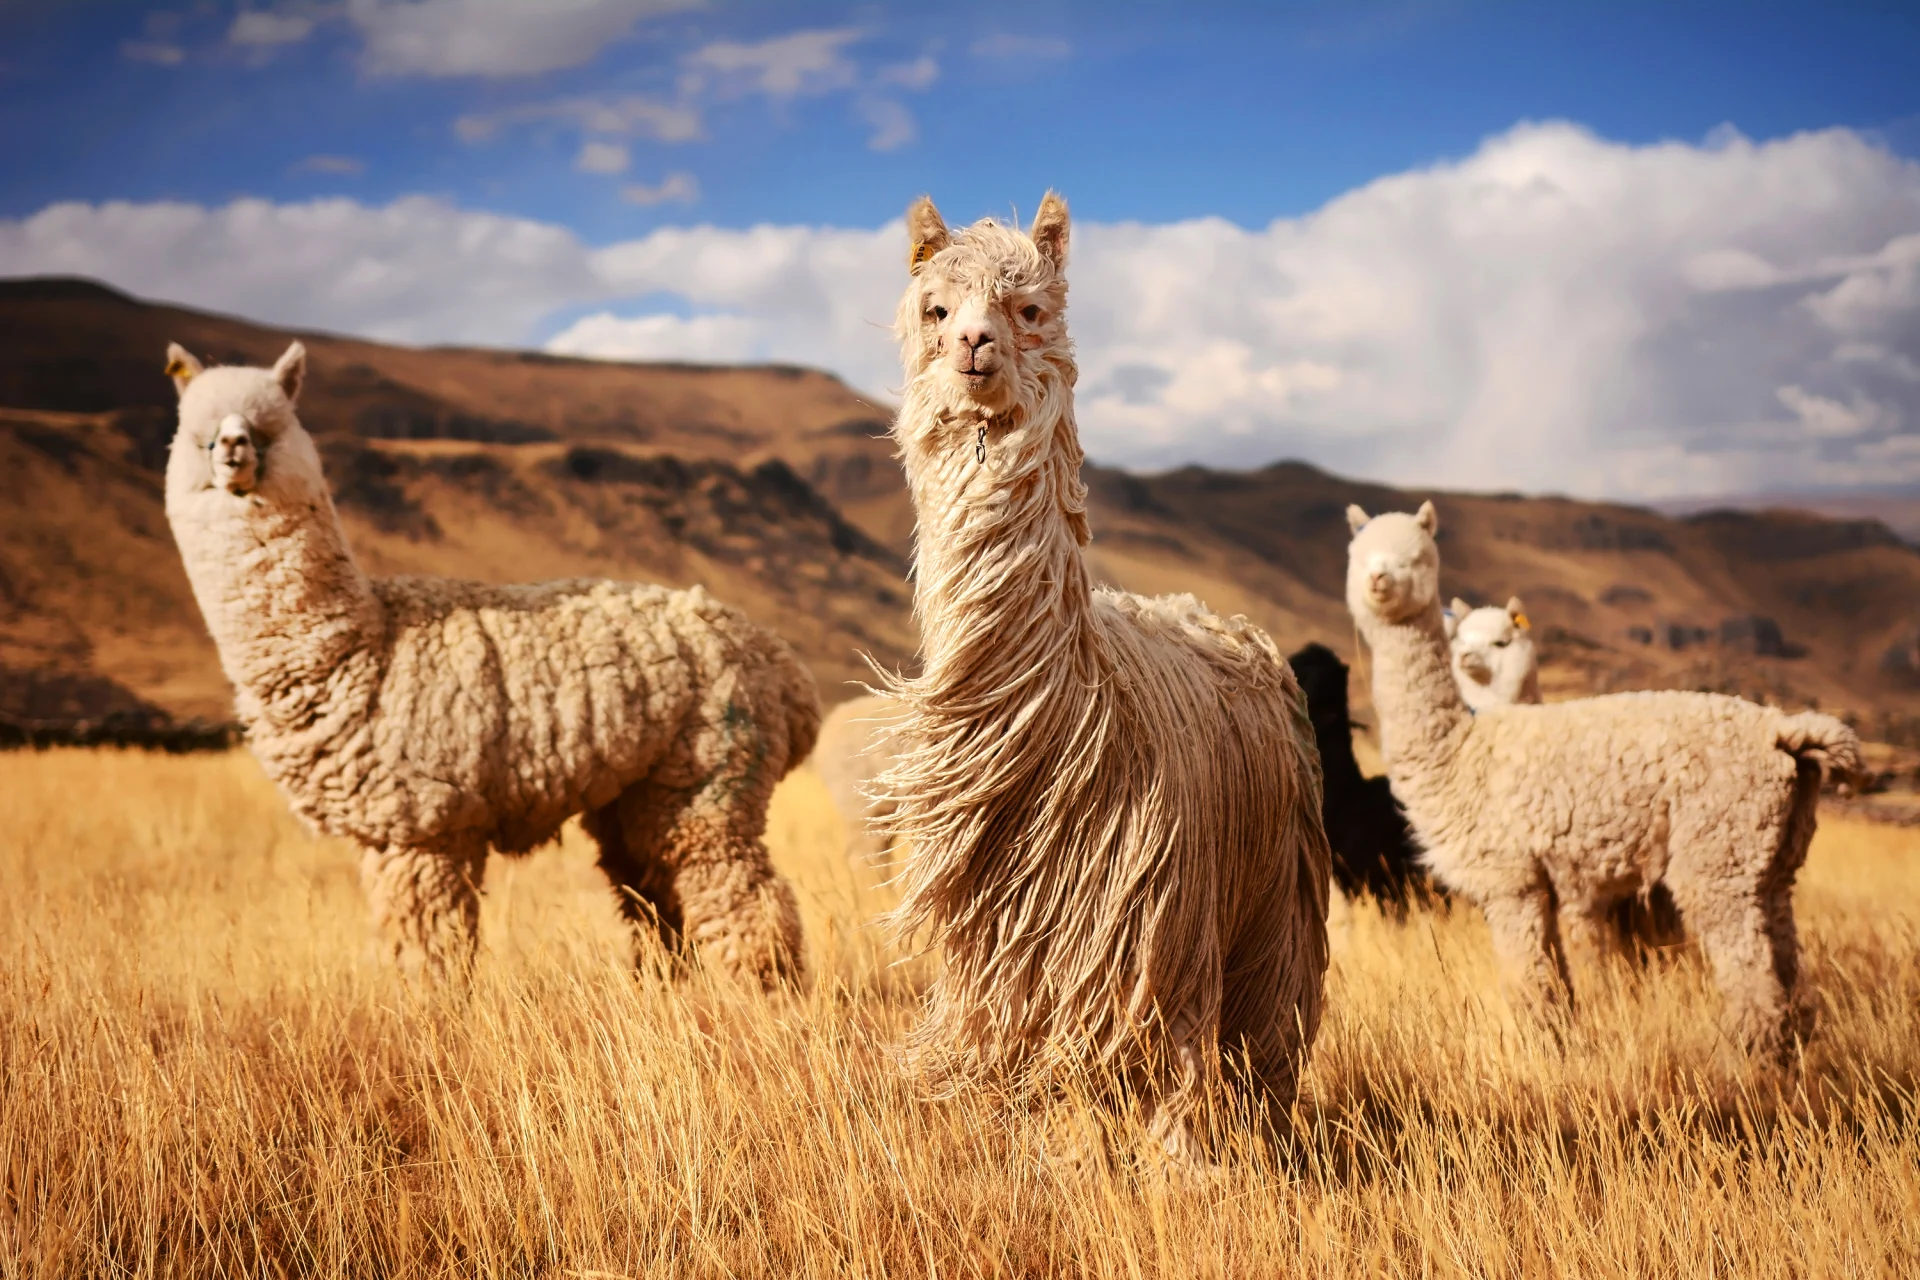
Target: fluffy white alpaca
point(1112, 802)
point(1542, 812)
point(427, 719)
point(1493, 658)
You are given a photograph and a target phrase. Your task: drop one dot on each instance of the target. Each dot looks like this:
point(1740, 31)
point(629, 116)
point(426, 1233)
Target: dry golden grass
point(202, 1072)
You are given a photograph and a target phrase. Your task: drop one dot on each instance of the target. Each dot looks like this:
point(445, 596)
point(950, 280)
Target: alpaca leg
point(1777, 897)
point(1593, 932)
point(1526, 938)
point(642, 889)
point(426, 904)
point(700, 868)
point(1737, 938)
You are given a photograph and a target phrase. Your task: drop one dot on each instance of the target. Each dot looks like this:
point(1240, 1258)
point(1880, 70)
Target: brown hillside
point(776, 487)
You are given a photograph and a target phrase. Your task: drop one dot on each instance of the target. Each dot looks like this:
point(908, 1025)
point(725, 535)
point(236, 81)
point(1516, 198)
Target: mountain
point(777, 488)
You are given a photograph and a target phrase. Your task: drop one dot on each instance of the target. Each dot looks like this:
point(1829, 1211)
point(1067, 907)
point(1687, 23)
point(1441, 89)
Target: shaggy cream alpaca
point(427, 719)
point(1493, 658)
point(1112, 802)
point(1536, 811)
point(850, 757)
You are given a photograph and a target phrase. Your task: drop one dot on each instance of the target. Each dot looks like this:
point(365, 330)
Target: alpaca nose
point(976, 336)
point(1475, 665)
point(1378, 582)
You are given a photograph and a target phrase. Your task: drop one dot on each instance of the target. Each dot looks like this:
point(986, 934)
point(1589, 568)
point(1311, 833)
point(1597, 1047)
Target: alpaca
point(1532, 811)
point(1493, 658)
point(851, 754)
point(1373, 848)
point(1112, 802)
point(426, 719)
point(1494, 665)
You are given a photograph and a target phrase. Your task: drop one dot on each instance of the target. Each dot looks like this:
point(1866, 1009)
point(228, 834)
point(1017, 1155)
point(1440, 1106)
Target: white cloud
point(270, 27)
point(1553, 311)
point(917, 75)
point(1822, 416)
point(708, 339)
point(601, 157)
point(893, 125)
point(623, 115)
point(1005, 45)
point(492, 37)
point(789, 66)
point(678, 187)
point(339, 166)
point(160, 53)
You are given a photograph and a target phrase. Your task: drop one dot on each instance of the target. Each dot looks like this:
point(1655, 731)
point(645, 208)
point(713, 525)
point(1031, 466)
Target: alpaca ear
point(1428, 518)
point(1049, 232)
point(1356, 518)
point(1518, 612)
point(290, 370)
point(1450, 618)
point(926, 233)
point(1459, 608)
point(182, 367)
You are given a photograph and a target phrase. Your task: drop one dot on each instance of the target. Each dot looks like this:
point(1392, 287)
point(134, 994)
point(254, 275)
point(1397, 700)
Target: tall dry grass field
point(203, 1072)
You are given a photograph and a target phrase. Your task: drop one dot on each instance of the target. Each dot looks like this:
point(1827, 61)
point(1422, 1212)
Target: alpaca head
point(1492, 652)
point(982, 325)
point(1393, 564)
point(238, 439)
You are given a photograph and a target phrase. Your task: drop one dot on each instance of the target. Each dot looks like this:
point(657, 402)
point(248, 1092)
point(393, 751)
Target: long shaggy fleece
point(1547, 813)
point(1112, 802)
point(427, 719)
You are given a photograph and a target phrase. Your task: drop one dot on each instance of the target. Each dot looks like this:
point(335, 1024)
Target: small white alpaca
point(1112, 802)
point(1544, 814)
point(1493, 657)
point(427, 719)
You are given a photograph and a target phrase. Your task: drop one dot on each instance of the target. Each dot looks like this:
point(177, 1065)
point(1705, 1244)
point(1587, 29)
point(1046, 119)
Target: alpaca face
point(238, 435)
point(1492, 652)
point(982, 326)
point(1393, 564)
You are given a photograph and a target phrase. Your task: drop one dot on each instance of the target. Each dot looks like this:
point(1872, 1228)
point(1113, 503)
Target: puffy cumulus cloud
point(416, 270)
point(1553, 311)
point(601, 157)
point(678, 187)
point(492, 37)
point(788, 66)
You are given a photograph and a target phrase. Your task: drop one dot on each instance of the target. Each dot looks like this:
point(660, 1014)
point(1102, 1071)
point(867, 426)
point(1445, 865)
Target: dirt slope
point(776, 487)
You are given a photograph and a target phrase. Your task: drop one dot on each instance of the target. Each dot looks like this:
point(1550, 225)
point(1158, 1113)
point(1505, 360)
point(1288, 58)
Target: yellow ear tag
point(178, 368)
point(922, 251)
point(1520, 621)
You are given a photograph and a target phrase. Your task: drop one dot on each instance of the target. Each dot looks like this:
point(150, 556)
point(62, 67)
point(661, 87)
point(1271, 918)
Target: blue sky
point(1624, 248)
point(1248, 112)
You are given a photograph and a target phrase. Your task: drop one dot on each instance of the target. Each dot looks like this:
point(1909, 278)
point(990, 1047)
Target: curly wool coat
point(428, 719)
point(1545, 814)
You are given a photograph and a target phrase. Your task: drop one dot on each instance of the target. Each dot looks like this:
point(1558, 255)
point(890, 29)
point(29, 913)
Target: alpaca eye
point(1031, 312)
point(1501, 644)
point(939, 313)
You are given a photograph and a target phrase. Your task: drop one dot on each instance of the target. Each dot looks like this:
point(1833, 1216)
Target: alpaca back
point(504, 710)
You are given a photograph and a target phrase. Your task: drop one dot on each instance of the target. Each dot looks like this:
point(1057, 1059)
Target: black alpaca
point(1373, 848)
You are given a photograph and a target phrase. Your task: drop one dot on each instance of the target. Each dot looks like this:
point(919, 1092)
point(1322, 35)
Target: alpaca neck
point(283, 599)
point(1001, 589)
point(1420, 708)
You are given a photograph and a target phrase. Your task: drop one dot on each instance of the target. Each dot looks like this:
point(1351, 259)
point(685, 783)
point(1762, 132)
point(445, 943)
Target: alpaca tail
point(1824, 742)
